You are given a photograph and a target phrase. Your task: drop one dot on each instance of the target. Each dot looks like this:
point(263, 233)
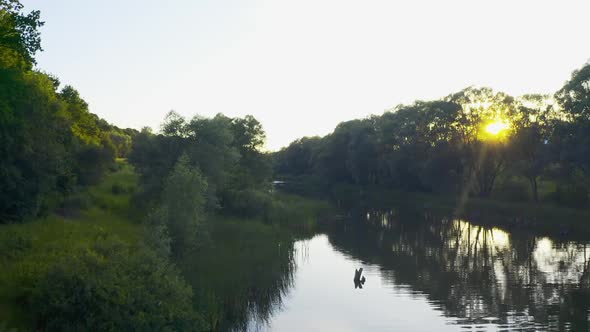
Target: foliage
point(226, 151)
point(571, 195)
point(574, 96)
point(442, 146)
point(51, 143)
point(88, 265)
point(19, 35)
point(181, 211)
point(112, 287)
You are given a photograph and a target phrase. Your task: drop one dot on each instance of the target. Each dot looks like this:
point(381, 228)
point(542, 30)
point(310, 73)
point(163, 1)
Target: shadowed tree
point(574, 96)
point(530, 146)
point(181, 211)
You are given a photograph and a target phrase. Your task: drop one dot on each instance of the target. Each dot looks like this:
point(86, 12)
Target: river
point(432, 273)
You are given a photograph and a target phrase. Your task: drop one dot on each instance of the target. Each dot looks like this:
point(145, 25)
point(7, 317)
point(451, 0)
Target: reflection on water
point(243, 276)
point(433, 273)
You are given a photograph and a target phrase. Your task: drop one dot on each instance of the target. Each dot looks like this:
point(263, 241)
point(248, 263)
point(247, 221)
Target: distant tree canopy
point(463, 143)
point(226, 151)
point(50, 140)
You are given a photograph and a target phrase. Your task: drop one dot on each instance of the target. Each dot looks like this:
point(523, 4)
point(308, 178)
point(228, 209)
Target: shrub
point(573, 195)
point(72, 205)
point(113, 287)
point(117, 189)
point(114, 167)
point(512, 191)
point(248, 203)
point(13, 243)
point(157, 234)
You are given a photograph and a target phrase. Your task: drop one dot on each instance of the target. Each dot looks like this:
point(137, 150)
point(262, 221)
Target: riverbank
point(238, 255)
point(543, 217)
point(29, 249)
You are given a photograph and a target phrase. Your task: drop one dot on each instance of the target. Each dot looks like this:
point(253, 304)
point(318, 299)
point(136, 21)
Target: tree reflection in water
point(240, 280)
point(476, 273)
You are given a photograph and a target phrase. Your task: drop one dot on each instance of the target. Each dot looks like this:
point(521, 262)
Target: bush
point(157, 233)
point(72, 205)
point(114, 167)
point(247, 203)
point(512, 191)
point(113, 287)
point(13, 243)
point(92, 162)
point(117, 189)
point(573, 195)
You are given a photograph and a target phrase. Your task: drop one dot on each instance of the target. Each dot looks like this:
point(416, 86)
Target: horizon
point(282, 62)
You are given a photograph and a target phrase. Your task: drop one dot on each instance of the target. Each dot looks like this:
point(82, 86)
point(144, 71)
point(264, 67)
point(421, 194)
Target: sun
point(497, 127)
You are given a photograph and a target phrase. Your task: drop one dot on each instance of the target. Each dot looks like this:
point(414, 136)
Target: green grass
point(223, 273)
point(91, 215)
point(297, 213)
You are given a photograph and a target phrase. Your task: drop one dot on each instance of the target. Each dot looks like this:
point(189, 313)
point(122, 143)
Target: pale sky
point(302, 66)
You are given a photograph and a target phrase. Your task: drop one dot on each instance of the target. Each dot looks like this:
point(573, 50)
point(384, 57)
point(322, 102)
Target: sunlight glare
point(496, 127)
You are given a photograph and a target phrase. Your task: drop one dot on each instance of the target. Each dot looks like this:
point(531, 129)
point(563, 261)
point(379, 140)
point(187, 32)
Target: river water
point(427, 273)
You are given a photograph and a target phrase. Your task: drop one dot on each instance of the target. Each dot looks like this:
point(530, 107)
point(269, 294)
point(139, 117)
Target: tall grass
point(89, 216)
point(243, 273)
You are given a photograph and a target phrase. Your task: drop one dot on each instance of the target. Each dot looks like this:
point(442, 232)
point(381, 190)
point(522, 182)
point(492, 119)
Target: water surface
point(432, 273)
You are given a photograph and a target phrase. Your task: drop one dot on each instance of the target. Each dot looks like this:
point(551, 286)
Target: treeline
point(83, 273)
point(474, 142)
point(100, 270)
point(198, 167)
point(225, 150)
point(50, 142)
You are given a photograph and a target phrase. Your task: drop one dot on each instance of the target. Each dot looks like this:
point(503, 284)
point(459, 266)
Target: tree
point(19, 35)
point(50, 141)
point(37, 151)
point(573, 135)
point(484, 156)
point(574, 96)
point(253, 169)
point(248, 134)
point(530, 146)
point(181, 210)
point(210, 148)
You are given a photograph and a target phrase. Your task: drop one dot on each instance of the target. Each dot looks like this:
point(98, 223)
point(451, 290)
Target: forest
point(476, 142)
point(97, 219)
point(110, 228)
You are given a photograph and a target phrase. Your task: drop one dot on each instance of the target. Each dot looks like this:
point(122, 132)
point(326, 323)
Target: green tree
point(254, 168)
point(181, 211)
point(530, 146)
point(19, 35)
point(573, 136)
point(574, 96)
point(210, 148)
point(36, 154)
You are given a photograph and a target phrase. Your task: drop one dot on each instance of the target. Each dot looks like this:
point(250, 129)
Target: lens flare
point(497, 127)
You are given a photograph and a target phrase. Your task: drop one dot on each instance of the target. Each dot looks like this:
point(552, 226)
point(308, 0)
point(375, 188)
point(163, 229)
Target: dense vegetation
point(88, 266)
point(476, 142)
point(106, 228)
point(51, 143)
point(88, 241)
